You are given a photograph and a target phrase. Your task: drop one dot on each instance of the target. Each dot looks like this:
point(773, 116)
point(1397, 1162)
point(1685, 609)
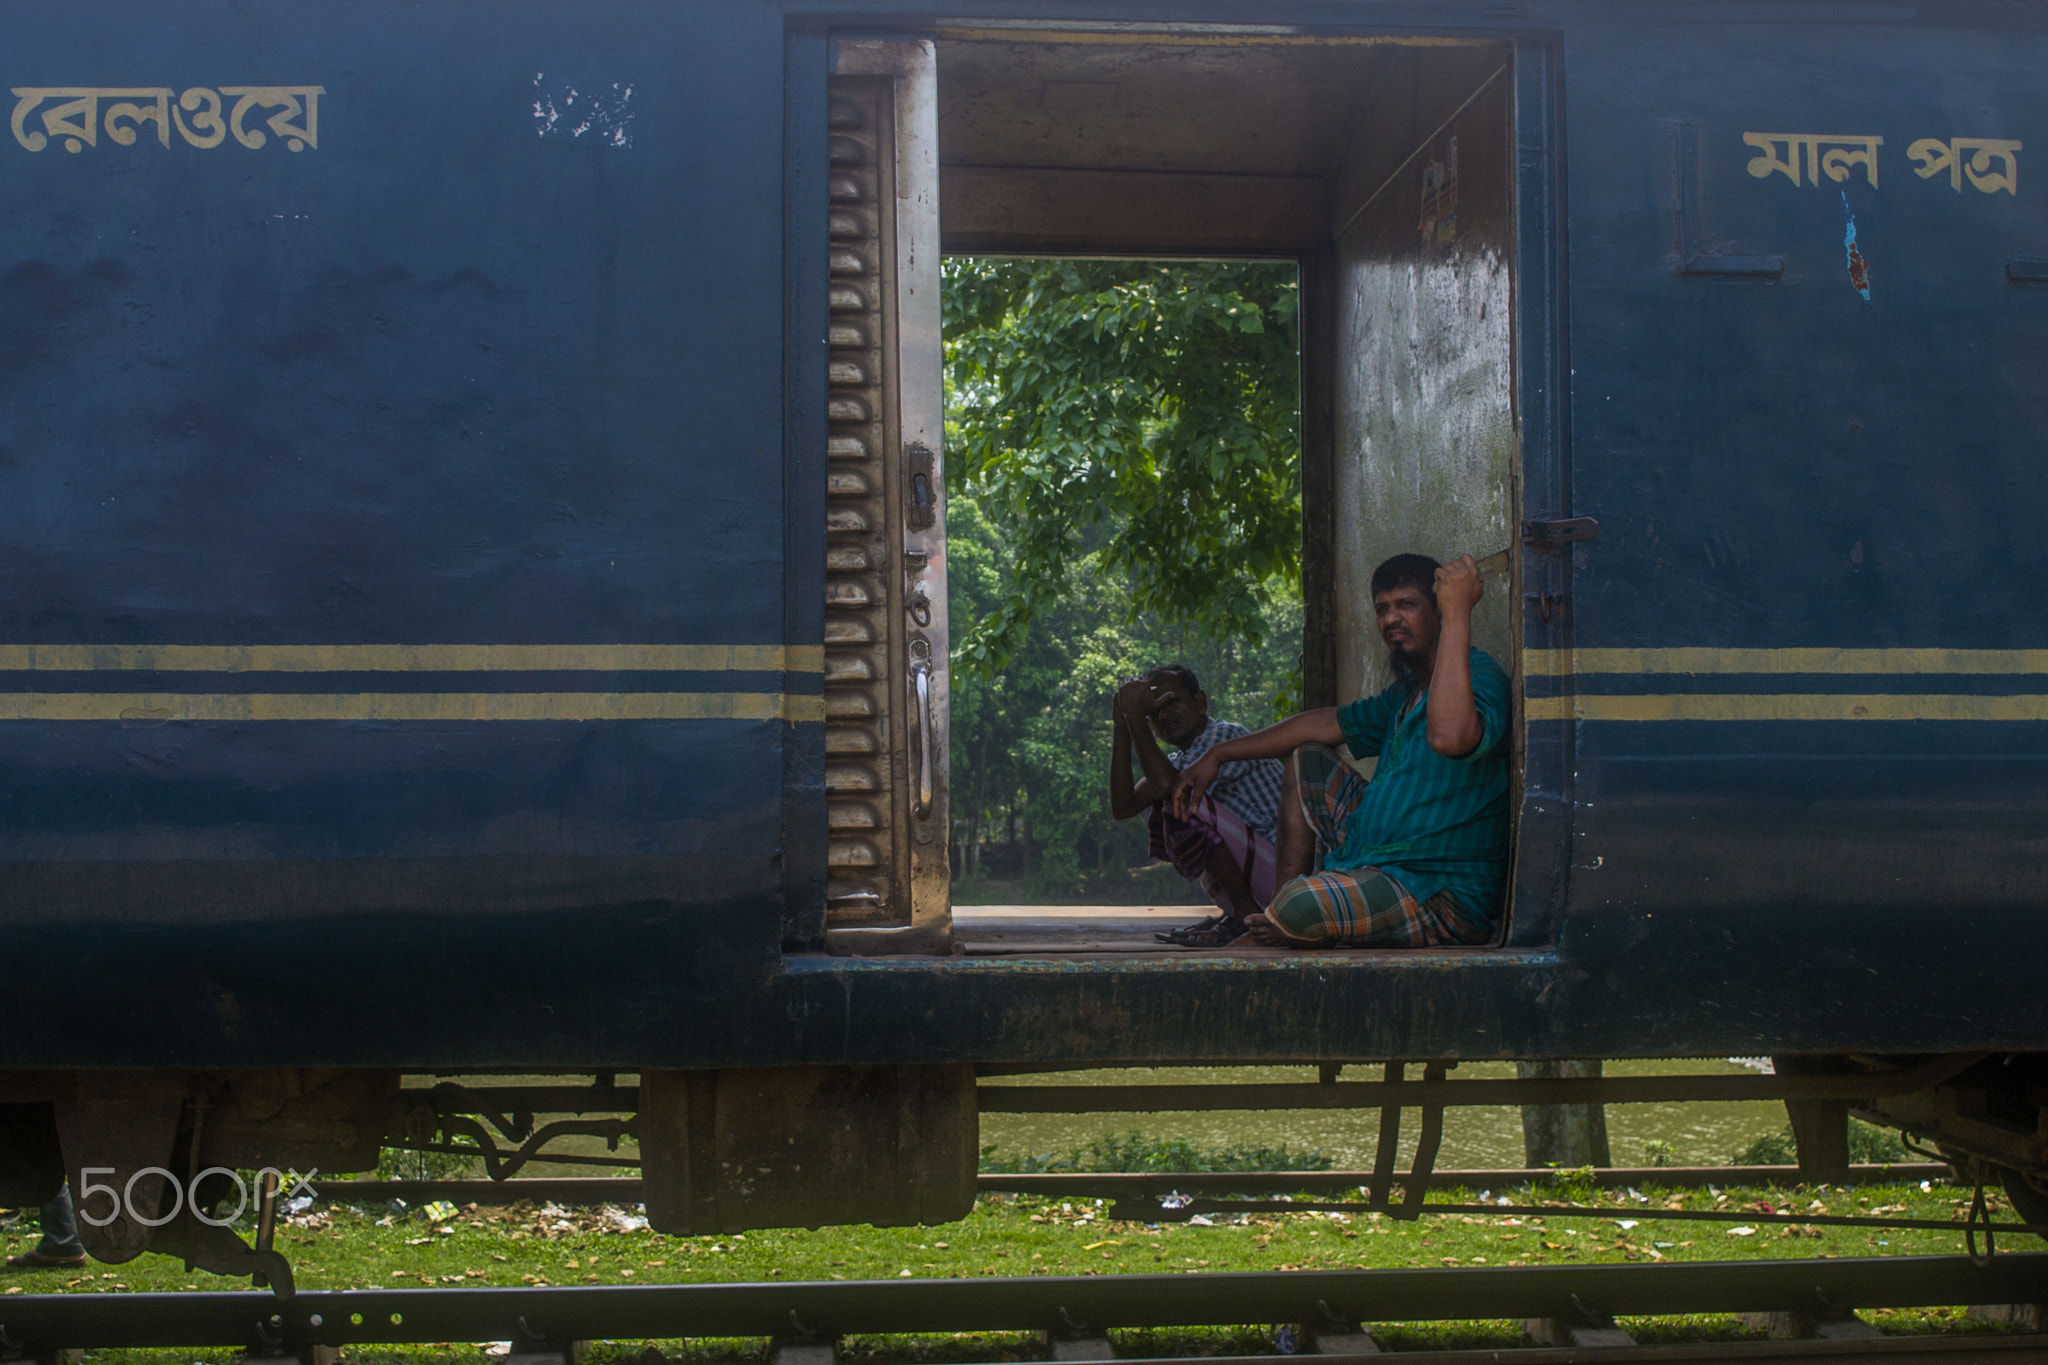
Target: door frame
point(1542, 849)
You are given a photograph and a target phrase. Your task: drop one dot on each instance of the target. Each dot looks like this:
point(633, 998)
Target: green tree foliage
point(1134, 419)
point(1123, 491)
point(1031, 741)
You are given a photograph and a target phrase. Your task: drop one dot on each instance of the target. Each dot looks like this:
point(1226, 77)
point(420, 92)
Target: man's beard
point(1407, 665)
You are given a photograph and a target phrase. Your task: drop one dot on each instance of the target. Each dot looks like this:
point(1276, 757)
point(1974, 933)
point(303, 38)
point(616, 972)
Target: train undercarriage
point(154, 1158)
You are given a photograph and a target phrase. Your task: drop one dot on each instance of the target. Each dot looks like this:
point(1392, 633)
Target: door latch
point(921, 497)
point(1543, 534)
point(1548, 534)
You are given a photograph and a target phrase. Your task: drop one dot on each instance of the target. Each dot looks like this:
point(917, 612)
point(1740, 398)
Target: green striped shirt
point(1433, 823)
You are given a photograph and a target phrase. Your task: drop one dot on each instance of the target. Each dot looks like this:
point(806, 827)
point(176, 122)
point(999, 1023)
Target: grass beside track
point(338, 1246)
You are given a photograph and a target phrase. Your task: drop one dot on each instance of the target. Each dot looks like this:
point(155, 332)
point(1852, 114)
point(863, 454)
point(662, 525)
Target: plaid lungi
point(1211, 824)
point(1364, 906)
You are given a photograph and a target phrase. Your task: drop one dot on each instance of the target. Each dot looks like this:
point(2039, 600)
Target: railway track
point(1177, 1197)
point(1125, 1185)
point(1575, 1307)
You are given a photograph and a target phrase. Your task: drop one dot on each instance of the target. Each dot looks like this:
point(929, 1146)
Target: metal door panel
point(885, 592)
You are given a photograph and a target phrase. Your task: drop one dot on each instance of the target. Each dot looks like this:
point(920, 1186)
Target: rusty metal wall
point(1425, 437)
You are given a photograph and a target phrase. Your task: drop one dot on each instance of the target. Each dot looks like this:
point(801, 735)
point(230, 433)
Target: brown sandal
point(1179, 937)
point(1219, 932)
point(37, 1260)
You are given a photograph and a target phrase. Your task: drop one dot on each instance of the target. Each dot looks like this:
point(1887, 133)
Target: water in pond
point(1474, 1138)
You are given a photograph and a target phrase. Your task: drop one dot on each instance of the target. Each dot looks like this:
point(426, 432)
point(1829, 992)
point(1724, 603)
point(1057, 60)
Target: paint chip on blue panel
point(602, 116)
point(1859, 269)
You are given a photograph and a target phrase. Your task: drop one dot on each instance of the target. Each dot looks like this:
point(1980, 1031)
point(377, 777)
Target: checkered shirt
point(1251, 787)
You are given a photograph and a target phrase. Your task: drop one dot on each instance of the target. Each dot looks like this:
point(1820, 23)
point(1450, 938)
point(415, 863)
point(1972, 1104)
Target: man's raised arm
point(1275, 741)
point(1133, 738)
point(1454, 726)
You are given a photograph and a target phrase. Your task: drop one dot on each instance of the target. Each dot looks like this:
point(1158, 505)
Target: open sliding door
point(1425, 449)
point(885, 574)
point(1425, 438)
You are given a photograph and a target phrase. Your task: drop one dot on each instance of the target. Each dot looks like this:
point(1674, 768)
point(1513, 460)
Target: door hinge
point(1546, 533)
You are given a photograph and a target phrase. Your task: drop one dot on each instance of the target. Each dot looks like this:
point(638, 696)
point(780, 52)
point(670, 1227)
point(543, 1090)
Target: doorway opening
point(1375, 175)
point(1123, 494)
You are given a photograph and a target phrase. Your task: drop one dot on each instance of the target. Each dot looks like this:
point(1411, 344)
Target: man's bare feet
point(1226, 879)
point(1265, 931)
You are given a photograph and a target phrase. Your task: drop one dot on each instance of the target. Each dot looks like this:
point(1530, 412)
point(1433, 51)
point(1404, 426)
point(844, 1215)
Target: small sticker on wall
point(1859, 267)
point(1439, 222)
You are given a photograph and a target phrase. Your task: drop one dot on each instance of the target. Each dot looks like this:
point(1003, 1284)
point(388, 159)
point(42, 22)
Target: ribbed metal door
point(885, 589)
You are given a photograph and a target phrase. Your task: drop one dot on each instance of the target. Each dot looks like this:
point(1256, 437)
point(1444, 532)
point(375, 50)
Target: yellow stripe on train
point(413, 658)
point(1765, 706)
point(1556, 663)
point(137, 708)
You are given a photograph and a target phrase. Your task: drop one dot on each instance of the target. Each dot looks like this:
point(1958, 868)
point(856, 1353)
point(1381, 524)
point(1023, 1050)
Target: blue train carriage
point(475, 598)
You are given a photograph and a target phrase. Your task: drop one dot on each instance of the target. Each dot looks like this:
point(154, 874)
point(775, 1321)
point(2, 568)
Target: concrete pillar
point(1079, 1347)
point(1841, 1325)
point(1354, 1341)
point(1820, 1128)
point(305, 1355)
point(1565, 1135)
point(806, 1352)
point(1577, 1336)
point(542, 1353)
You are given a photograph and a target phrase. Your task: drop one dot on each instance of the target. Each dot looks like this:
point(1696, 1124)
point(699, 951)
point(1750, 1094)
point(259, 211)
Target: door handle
point(921, 679)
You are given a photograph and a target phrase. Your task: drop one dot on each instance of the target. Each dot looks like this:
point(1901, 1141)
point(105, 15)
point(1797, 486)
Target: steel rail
point(1938, 1350)
point(1152, 1099)
point(1125, 1184)
point(577, 1190)
point(1322, 1299)
point(1642, 1215)
point(517, 1161)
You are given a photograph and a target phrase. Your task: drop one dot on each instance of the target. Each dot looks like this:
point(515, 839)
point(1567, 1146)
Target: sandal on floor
point(1179, 937)
point(37, 1260)
point(1220, 932)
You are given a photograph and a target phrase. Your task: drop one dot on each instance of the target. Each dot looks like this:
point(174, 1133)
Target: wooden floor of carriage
point(1003, 930)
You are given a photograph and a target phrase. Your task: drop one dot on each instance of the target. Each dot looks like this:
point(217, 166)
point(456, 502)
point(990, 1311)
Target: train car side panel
point(1808, 405)
point(393, 578)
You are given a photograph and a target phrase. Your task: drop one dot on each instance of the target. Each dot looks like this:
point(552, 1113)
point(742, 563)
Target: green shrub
point(1769, 1149)
point(1574, 1185)
point(398, 1163)
point(1874, 1145)
point(1137, 1152)
point(1868, 1145)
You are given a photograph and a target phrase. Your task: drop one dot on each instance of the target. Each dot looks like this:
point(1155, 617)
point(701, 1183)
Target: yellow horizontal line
point(1555, 663)
point(413, 658)
point(1788, 706)
point(1161, 37)
point(147, 709)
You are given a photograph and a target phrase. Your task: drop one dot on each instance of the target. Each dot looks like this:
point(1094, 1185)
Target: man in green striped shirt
point(1418, 856)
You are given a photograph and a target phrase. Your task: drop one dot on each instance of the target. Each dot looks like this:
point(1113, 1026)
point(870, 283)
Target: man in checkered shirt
point(1224, 843)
